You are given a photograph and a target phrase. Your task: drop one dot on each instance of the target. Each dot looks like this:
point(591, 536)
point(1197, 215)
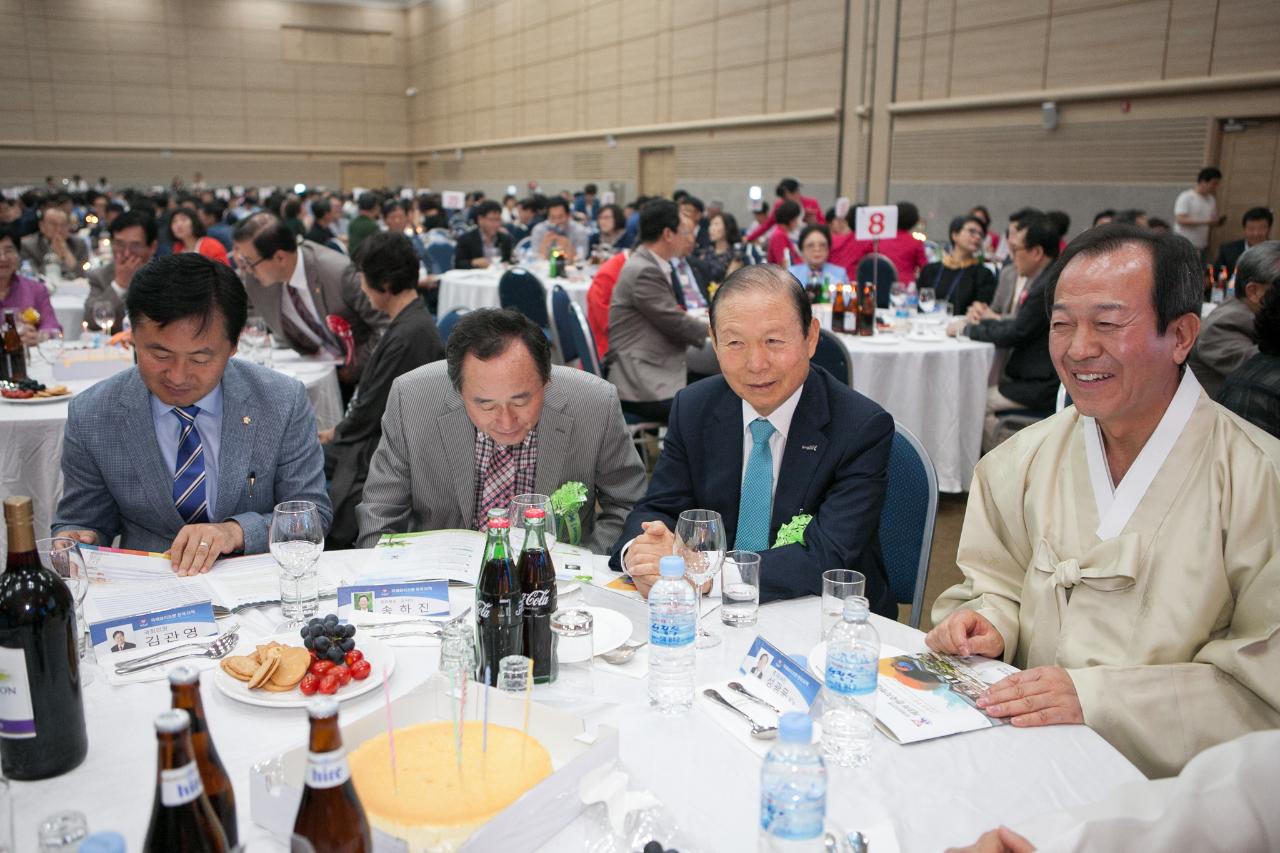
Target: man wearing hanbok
point(1126, 552)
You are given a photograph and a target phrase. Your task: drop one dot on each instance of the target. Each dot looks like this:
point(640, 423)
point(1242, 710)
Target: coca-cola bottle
point(330, 815)
point(182, 820)
point(184, 685)
point(538, 587)
point(499, 610)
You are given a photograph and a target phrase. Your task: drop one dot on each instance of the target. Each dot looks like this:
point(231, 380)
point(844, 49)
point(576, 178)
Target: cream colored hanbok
point(1160, 595)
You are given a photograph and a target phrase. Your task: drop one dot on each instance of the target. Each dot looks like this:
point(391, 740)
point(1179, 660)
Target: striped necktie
point(188, 476)
point(755, 504)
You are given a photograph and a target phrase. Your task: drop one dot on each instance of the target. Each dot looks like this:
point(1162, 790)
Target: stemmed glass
point(104, 314)
point(522, 502)
point(63, 557)
point(297, 538)
point(700, 540)
point(927, 300)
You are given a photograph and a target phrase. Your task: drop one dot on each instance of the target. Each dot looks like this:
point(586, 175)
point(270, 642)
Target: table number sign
point(362, 603)
point(124, 638)
point(779, 676)
point(876, 223)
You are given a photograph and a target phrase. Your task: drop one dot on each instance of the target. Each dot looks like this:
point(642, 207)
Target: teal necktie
point(755, 505)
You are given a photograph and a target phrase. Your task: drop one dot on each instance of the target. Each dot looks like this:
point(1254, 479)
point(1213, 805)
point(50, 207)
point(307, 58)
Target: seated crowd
point(1123, 552)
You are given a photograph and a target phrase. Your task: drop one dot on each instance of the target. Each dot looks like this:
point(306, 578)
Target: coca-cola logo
point(537, 598)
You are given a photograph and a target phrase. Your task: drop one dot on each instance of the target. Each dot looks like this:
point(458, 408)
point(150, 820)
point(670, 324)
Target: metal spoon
point(623, 653)
point(737, 687)
point(757, 731)
point(218, 649)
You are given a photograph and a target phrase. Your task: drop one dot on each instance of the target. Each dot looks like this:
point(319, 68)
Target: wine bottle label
point(16, 717)
point(327, 769)
point(180, 785)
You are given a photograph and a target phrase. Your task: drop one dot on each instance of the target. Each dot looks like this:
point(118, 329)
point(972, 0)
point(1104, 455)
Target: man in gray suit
point(492, 421)
point(133, 243)
point(315, 283)
point(1228, 337)
point(188, 451)
point(649, 328)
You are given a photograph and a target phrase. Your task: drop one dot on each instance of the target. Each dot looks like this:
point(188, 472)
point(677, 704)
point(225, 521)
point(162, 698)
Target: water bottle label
point(790, 818)
point(670, 629)
point(852, 675)
point(17, 720)
point(180, 785)
point(327, 769)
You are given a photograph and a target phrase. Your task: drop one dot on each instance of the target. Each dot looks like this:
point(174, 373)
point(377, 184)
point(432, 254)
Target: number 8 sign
point(876, 223)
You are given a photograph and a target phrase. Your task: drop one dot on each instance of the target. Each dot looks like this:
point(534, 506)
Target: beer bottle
point(837, 309)
point(330, 815)
point(184, 684)
point(14, 356)
point(182, 821)
point(538, 590)
point(42, 730)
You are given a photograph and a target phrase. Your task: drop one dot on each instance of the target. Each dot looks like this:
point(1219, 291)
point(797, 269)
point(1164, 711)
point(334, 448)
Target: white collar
point(1117, 504)
point(781, 416)
point(299, 278)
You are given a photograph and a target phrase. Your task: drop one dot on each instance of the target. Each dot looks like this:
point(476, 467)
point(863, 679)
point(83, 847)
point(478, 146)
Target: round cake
point(433, 804)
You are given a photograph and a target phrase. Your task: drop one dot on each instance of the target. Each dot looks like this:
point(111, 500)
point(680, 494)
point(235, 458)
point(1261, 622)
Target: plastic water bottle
point(793, 789)
point(849, 691)
point(673, 626)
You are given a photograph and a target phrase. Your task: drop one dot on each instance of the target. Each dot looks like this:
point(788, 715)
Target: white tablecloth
point(31, 435)
point(479, 288)
point(928, 795)
point(935, 388)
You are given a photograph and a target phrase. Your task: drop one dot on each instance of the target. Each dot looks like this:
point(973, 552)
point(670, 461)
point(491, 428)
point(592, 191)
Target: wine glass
point(104, 314)
point(533, 501)
point(296, 539)
point(700, 540)
point(63, 557)
point(927, 300)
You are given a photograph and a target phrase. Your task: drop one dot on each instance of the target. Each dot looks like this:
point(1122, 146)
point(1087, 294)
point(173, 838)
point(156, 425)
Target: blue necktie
point(188, 476)
point(755, 505)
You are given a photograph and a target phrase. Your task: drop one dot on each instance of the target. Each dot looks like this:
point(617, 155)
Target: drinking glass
point(740, 588)
point(927, 300)
point(253, 337)
point(62, 832)
point(700, 540)
point(575, 650)
point(837, 585)
point(63, 557)
point(297, 538)
point(522, 502)
point(104, 314)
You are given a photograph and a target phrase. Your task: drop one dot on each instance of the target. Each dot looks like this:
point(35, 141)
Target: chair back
point(832, 356)
point(879, 269)
point(448, 321)
point(562, 321)
point(907, 520)
point(522, 290)
point(441, 257)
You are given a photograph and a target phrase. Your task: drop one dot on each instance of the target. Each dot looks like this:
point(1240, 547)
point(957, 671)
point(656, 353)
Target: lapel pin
point(247, 420)
point(810, 447)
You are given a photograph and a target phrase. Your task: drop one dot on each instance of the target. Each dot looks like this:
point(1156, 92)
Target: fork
point(216, 650)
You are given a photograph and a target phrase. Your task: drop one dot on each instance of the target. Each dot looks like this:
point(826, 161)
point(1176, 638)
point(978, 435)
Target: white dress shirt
point(781, 420)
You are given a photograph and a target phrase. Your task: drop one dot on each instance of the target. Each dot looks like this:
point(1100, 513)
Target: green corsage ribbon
point(792, 533)
point(566, 501)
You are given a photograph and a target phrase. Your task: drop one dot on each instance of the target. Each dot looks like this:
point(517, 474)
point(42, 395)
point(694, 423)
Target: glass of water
point(297, 538)
point(928, 299)
point(740, 588)
point(837, 585)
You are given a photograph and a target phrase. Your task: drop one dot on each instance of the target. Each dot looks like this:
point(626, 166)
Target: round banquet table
point(920, 797)
point(479, 288)
point(31, 434)
point(934, 386)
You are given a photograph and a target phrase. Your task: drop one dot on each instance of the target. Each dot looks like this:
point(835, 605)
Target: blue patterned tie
point(755, 505)
point(188, 477)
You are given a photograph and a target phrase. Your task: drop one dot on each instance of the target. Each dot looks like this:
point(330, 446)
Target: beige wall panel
point(1017, 63)
point(910, 67)
point(1248, 32)
point(1108, 45)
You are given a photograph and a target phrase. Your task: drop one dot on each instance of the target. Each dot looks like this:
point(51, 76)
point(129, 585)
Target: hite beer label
point(181, 785)
point(327, 769)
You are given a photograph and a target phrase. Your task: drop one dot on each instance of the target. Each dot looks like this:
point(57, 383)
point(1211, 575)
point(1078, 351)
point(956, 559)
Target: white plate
point(609, 630)
point(375, 652)
point(35, 401)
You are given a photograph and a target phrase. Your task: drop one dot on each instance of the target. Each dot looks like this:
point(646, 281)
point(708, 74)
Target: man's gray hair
point(1260, 264)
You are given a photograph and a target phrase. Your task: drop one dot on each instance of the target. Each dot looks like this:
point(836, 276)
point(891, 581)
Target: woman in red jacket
point(187, 233)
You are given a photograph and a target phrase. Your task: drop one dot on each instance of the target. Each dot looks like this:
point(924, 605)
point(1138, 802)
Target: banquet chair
point(907, 519)
point(441, 256)
point(448, 321)
point(562, 324)
point(522, 290)
point(833, 357)
point(879, 269)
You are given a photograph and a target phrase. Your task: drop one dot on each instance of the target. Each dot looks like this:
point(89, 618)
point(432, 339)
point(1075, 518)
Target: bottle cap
point(535, 512)
point(322, 707)
point(103, 842)
point(671, 567)
point(795, 727)
point(856, 607)
point(184, 674)
point(172, 721)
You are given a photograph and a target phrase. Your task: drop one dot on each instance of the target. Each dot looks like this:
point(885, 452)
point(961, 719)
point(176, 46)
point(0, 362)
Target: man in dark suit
point(133, 243)
point(388, 268)
point(1257, 222)
point(770, 439)
point(315, 284)
point(485, 244)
